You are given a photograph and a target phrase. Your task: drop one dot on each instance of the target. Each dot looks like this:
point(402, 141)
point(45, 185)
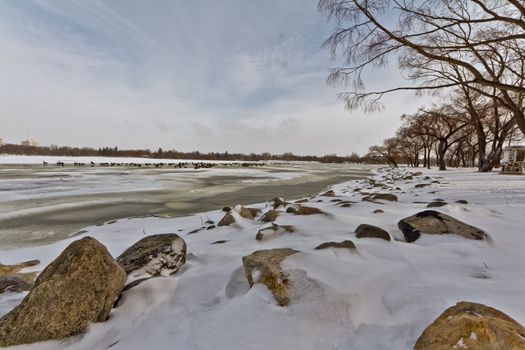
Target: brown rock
point(344, 244)
point(329, 193)
point(77, 288)
point(384, 196)
point(267, 264)
point(472, 326)
point(245, 212)
point(270, 216)
point(6, 270)
point(227, 220)
point(308, 211)
point(14, 284)
point(370, 231)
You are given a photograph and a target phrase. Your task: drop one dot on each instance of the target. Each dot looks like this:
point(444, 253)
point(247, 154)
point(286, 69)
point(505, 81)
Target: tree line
point(64, 151)
point(468, 53)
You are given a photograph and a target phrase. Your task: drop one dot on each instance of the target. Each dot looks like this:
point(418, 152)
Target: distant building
point(30, 142)
point(513, 160)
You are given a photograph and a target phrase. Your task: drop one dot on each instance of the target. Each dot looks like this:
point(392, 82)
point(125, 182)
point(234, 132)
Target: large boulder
point(162, 254)
point(472, 326)
point(436, 223)
point(77, 288)
point(370, 231)
point(264, 266)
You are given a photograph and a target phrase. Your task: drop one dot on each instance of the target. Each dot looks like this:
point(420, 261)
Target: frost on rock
point(156, 255)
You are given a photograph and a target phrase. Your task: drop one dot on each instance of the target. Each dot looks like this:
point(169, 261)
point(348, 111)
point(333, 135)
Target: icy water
point(41, 205)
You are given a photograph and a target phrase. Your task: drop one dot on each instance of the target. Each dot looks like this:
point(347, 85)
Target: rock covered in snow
point(162, 254)
point(472, 326)
point(436, 223)
point(264, 266)
point(273, 230)
point(370, 231)
point(75, 289)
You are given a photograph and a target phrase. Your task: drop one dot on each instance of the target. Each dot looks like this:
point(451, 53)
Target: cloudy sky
point(207, 75)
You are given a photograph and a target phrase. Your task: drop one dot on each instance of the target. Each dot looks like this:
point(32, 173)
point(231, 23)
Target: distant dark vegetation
point(66, 151)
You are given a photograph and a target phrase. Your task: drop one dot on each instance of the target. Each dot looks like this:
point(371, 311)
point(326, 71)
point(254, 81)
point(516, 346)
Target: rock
point(278, 202)
point(162, 254)
point(14, 284)
point(384, 196)
point(308, 211)
point(345, 205)
point(304, 200)
point(77, 288)
point(336, 200)
point(472, 326)
point(462, 201)
point(421, 185)
point(226, 209)
point(291, 210)
point(329, 193)
point(270, 216)
point(436, 204)
point(209, 222)
point(254, 211)
point(244, 212)
point(6, 270)
point(222, 241)
point(369, 231)
point(264, 266)
point(378, 211)
point(273, 230)
point(433, 222)
point(211, 227)
point(344, 244)
point(227, 220)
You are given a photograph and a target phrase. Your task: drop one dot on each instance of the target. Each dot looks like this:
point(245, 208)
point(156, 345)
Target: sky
point(207, 75)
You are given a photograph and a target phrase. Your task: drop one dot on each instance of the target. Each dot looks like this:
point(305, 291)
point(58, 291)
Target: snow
point(381, 296)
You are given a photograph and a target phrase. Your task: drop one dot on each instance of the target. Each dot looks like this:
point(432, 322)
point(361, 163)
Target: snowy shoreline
point(380, 296)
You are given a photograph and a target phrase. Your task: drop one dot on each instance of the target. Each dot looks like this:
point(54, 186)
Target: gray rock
point(436, 204)
point(162, 254)
point(14, 284)
point(77, 288)
point(436, 223)
point(370, 231)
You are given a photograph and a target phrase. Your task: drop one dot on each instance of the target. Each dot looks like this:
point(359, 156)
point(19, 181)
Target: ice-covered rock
point(344, 244)
point(75, 289)
point(227, 220)
point(162, 254)
point(270, 216)
point(472, 326)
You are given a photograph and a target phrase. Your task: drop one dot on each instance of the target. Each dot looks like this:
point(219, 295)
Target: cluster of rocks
point(82, 284)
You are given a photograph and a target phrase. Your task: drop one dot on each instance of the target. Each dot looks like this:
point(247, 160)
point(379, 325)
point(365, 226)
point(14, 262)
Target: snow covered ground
point(381, 296)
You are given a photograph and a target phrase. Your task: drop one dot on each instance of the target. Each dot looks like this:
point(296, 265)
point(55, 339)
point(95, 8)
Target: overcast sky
point(207, 75)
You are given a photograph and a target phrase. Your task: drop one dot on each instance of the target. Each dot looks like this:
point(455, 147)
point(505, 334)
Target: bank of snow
point(380, 297)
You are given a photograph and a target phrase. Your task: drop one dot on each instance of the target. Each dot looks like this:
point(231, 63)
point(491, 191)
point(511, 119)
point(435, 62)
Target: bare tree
point(441, 44)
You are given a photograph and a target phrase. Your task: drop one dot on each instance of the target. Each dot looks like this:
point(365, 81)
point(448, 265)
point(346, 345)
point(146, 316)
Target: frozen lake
point(41, 205)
